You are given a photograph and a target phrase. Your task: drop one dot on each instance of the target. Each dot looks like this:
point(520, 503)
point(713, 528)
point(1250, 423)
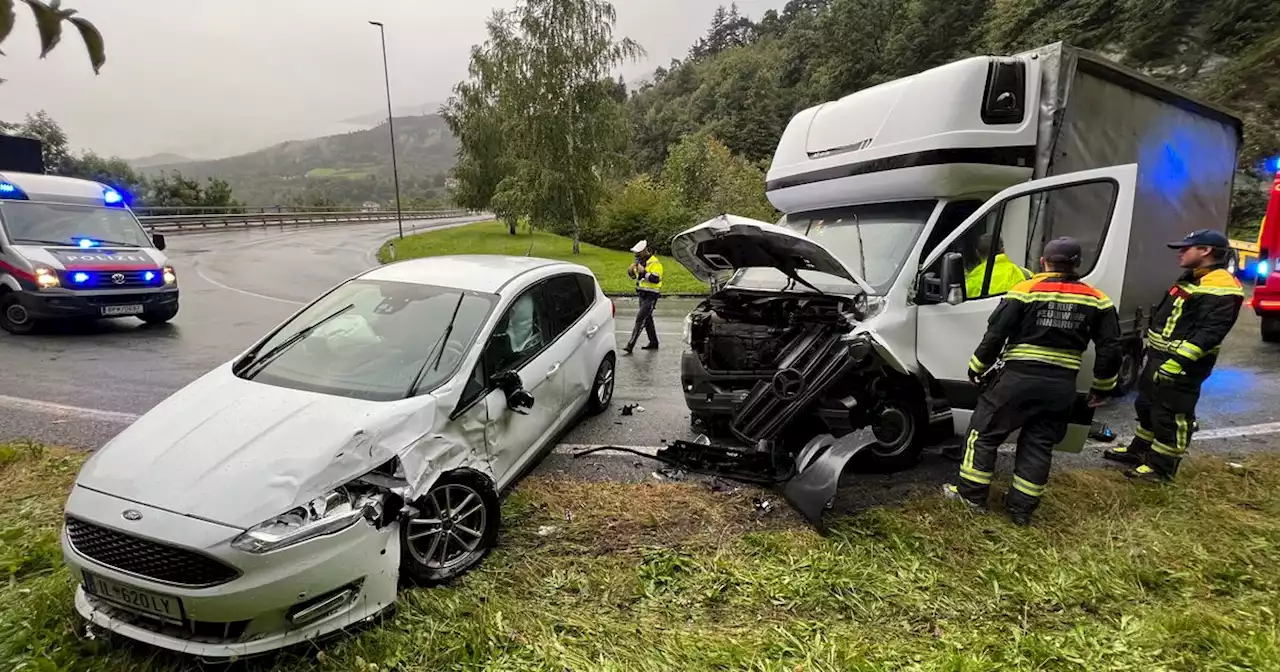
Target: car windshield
point(872, 241)
point(375, 340)
point(29, 223)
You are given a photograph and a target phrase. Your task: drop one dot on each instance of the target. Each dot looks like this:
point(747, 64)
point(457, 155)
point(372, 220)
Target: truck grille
point(112, 279)
point(159, 562)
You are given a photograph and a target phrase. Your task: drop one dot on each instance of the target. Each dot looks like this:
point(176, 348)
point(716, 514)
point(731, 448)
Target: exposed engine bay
point(793, 391)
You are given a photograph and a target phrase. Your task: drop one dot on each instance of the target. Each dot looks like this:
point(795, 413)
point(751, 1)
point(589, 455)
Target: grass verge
point(609, 266)
point(675, 577)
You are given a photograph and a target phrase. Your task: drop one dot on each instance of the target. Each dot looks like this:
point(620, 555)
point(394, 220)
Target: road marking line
point(35, 405)
point(200, 272)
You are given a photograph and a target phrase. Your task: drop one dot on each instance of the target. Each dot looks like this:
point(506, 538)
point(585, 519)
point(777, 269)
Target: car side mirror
point(946, 286)
point(157, 239)
point(518, 399)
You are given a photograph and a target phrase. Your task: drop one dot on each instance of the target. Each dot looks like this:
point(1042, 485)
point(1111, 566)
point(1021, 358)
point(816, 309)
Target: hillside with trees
point(701, 132)
point(345, 169)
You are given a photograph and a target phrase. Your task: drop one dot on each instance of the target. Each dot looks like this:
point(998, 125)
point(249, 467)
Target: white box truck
point(858, 310)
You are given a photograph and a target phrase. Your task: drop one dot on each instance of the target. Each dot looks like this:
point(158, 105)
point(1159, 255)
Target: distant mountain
point(160, 159)
point(379, 117)
point(346, 168)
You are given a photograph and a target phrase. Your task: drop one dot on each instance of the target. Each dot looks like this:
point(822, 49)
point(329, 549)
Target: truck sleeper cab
point(72, 249)
point(906, 194)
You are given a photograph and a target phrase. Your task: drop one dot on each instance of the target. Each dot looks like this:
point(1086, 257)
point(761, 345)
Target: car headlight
point(331, 512)
point(686, 333)
point(46, 278)
point(170, 278)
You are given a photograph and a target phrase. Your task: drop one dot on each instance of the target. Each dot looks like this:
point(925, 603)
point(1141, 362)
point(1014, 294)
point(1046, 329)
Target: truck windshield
point(28, 223)
point(872, 241)
point(372, 340)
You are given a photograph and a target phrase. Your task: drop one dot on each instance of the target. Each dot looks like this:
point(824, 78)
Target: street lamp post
point(391, 125)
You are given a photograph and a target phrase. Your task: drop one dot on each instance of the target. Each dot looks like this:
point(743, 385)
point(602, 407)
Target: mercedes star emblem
point(132, 514)
point(117, 278)
point(788, 384)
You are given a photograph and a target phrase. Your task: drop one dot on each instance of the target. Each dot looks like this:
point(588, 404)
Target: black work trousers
point(1166, 417)
point(644, 319)
point(1036, 398)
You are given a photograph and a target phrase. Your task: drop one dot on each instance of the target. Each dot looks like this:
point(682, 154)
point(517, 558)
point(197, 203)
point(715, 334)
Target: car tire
point(459, 513)
point(1271, 329)
point(1130, 369)
point(14, 317)
point(161, 316)
point(602, 386)
point(901, 431)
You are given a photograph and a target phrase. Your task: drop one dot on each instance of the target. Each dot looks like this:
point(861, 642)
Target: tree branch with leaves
point(50, 18)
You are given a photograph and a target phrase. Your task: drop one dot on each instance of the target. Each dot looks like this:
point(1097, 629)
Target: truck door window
point(989, 269)
point(1081, 211)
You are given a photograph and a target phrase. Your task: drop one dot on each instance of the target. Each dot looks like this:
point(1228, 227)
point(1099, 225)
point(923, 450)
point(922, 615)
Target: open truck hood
point(730, 242)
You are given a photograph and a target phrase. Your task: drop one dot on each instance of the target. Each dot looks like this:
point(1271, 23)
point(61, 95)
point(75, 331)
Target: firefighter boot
point(1133, 454)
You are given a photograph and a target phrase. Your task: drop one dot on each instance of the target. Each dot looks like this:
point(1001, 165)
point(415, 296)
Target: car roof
point(56, 189)
point(488, 273)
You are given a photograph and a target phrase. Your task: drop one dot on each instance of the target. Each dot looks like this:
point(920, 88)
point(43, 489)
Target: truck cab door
point(1095, 207)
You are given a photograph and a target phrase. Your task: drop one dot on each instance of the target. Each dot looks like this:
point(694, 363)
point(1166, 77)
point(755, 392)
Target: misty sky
point(220, 77)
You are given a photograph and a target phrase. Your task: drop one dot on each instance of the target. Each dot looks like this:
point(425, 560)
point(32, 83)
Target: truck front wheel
point(14, 317)
point(899, 427)
point(159, 316)
point(1271, 329)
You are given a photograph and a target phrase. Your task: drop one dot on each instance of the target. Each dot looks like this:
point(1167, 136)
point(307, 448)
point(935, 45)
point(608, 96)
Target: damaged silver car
point(363, 443)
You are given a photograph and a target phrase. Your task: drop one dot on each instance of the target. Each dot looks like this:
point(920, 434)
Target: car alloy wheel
point(455, 526)
point(602, 388)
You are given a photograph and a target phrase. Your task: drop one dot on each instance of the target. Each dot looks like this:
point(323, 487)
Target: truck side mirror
point(157, 239)
point(953, 278)
point(948, 287)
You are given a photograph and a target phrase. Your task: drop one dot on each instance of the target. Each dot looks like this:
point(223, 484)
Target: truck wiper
point(254, 364)
point(437, 348)
point(41, 241)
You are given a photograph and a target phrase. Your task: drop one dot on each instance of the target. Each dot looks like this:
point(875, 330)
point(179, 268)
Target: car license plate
point(112, 311)
point(133, 599)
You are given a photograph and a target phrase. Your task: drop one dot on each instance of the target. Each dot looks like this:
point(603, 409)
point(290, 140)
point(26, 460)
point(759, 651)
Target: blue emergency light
point(87, 243)
point(1263, 269)
point(112, 197)
point(149, 276)
point(80, 278)
point(11, 191)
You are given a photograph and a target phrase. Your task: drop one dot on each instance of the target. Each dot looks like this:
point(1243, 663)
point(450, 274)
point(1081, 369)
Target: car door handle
point(554, 367)
point(591, 331)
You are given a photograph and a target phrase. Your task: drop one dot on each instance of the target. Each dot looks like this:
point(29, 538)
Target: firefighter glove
point(975, 377)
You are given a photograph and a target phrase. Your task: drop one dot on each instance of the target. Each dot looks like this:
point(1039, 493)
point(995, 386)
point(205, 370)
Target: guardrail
point(220, 222)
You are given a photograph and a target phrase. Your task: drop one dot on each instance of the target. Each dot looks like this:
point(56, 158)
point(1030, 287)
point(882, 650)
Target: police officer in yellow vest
point(647, 272)
point(1004, 273)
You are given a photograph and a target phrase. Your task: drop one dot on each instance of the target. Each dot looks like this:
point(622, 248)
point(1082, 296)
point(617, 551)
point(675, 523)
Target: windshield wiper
point(254, 364)
point(439, 345)
point(41, 241)
point(862, 251)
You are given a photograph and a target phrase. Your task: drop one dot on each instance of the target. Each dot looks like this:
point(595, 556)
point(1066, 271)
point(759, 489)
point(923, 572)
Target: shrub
point(641, 208)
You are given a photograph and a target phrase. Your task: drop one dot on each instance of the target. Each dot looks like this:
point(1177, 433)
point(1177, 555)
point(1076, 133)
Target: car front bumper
point(62, 304)
point(345, 579)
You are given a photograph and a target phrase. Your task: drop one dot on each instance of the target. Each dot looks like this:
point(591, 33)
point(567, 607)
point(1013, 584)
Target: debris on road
point(763, 506)
point(547, 530)
point(627, 409)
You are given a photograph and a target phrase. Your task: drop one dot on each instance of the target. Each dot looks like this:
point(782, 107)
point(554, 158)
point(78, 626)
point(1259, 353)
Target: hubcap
point(449, 530)
point(893, 430)
point(604, 384)
point(16, 314)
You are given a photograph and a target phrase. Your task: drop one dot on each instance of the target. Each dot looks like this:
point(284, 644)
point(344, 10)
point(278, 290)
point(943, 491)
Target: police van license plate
point(113, 311)
point(141, 601)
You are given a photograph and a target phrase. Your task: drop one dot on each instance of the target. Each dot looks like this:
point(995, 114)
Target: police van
point(72, 249)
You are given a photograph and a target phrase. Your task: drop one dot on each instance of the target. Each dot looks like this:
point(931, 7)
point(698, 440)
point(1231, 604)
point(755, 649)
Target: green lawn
point(673, 576)
point(353, 173)
point(610, 266)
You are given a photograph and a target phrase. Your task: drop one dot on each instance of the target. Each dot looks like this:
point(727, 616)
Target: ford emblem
point(132, 514)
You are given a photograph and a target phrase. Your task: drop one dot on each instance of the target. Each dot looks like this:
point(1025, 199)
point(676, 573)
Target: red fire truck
point(1266, 295)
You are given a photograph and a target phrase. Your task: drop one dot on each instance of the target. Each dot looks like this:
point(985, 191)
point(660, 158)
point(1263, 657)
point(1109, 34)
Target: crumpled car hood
point(238, 452)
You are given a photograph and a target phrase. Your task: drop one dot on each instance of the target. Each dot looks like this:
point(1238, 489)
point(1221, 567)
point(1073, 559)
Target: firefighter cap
point(640, 246)
point(1064, 250)
point(1202, 238)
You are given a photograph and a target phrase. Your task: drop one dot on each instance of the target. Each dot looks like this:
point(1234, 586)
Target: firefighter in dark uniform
point(1040, 330)
point(1182, 346)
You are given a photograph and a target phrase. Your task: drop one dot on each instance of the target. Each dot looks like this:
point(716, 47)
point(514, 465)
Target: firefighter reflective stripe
point(976, 364)
point(1213, 289)
point(1172, 323)
point(1144, 434)
point(1106, 384)
point(967, 471)
point(1185, 349)
point(1189, 351)
point(1034, 353)
point(1027, 487)
point(1061, 297)
point(1181, 438)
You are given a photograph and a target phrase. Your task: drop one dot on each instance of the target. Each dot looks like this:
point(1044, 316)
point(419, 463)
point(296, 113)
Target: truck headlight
point(46, 278)
point(331, 512)
point(686, 332)
point(170, 278)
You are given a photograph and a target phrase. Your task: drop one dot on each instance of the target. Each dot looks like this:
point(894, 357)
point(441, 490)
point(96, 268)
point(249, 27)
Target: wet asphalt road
point(82, 386)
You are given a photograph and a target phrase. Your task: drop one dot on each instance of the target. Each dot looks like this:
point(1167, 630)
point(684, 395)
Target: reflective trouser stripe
point(1144, 434)
point(1027, 487)
point(1181, 438)
point(1106, 384)
point(967, 470)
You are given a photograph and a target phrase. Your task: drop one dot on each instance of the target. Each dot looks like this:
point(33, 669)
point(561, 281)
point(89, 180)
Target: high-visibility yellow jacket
point(1004, 275)
point(651, 279)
